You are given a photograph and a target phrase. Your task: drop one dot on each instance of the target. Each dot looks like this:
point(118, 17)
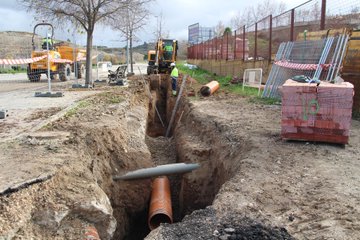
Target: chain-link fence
point(260, 40)
point(342, 14)
point(281, 30)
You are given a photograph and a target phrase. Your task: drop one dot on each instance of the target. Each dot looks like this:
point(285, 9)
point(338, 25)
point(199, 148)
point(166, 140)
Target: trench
point(189, 191)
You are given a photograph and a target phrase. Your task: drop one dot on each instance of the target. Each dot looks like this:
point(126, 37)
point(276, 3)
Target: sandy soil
point(58, 179)
point(311, 189)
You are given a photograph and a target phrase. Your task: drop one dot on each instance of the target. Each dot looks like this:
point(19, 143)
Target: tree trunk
point(88, 76)
point(131, 52)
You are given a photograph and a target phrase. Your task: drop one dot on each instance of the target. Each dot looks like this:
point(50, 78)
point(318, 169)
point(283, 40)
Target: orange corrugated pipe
point(209, 88)
point(160, 204)
point(91, 233)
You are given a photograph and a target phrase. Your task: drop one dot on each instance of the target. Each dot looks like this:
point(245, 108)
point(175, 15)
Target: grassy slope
point(203, 77)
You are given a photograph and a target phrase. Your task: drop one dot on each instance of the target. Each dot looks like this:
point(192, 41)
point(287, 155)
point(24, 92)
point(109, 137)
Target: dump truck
point(159, 60)
point(62, 59)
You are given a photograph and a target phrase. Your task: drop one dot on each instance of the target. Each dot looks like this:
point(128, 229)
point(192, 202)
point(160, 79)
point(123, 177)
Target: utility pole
point(127, 39)
point(48, 59)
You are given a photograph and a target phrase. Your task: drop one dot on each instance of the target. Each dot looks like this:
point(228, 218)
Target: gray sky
point(177, 16)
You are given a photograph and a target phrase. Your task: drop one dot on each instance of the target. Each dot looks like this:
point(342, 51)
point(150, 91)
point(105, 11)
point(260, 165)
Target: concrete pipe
point(209, 88)
point(160, 210)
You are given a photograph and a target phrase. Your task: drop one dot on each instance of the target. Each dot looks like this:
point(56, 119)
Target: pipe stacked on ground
point(209, 88)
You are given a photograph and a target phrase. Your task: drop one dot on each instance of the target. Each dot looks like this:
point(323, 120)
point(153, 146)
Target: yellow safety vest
point(174, 72)
point(168, 48)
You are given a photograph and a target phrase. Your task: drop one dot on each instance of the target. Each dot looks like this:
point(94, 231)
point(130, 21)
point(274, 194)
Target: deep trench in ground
point(163, 151)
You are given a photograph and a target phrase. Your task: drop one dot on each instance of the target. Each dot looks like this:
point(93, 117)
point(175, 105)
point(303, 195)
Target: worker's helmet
point(172, 65)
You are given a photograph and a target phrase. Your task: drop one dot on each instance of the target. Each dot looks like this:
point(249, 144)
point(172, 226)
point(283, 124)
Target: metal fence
point(260, 40)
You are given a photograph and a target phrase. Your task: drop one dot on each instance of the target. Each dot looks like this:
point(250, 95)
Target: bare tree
point(159, 26)
point(253, 14)
point(219, 29)
point(85, 13)
point(128, 21)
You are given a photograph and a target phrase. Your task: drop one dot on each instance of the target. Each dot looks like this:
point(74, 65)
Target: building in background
point(198, 34)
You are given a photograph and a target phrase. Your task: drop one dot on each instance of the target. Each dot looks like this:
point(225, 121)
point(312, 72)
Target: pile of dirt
point(310, 189)
point(206, 224)
point(105, 136)
point(250, 184)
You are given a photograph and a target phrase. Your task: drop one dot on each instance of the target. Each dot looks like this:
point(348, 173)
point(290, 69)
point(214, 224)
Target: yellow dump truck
point(64, 59)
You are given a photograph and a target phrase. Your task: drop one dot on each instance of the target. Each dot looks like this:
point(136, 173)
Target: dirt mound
point(206, 224)
point(235, 228)
point(106, 137)
point(249, 184)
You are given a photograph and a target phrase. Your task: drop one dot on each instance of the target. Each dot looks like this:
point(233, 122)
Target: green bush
point(13, 70)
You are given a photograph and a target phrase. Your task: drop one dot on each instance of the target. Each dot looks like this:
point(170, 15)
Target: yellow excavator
point(159, 60)
point(56, 51)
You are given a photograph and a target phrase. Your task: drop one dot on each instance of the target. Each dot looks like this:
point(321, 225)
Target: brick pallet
point(316, 113)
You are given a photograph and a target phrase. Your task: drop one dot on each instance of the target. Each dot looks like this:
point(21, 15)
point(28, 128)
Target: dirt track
point(254, 182)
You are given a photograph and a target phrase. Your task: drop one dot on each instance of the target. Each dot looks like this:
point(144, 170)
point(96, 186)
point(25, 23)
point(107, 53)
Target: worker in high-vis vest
point(168, 50)
point(174, 77)
point(47, 43)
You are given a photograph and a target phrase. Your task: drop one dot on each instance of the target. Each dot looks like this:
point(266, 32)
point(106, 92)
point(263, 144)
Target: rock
point(216, 233)
point(97, 209)
point(233, 237)
point(229, 230)
point(49, 217)
point(224, 237)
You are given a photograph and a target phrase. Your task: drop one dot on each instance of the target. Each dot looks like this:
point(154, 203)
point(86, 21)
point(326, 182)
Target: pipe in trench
point(161, 170)
point(91, 233)
point(160, 210)
point(209, 88)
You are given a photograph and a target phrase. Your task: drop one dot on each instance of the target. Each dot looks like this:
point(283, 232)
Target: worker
point(168, 49)
point(47, 42)
point(174, 77)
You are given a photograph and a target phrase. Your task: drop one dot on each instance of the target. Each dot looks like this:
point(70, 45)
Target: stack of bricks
point(316, 113)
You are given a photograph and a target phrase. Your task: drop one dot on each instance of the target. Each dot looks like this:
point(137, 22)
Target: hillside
point(16, 44)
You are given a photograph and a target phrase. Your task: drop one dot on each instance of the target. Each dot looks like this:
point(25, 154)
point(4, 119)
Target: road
point(17, 95)
point(11, 82)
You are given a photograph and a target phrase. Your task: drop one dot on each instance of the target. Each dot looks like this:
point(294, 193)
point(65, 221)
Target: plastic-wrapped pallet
point(316, 113)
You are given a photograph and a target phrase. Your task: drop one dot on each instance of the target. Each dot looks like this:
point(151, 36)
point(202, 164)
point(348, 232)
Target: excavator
point(159, 60)
point(62, 53)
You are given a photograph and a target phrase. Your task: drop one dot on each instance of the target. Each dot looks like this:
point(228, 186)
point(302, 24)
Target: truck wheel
point(32, 75)
point(80, 70)
point(150, 70)
point(64, 72)
point(52, 75)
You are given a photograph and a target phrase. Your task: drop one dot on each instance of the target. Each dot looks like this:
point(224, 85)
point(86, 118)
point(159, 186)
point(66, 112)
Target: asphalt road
point(13, 82)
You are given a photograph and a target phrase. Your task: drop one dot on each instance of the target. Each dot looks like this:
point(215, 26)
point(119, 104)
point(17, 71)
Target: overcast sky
point(177, 16)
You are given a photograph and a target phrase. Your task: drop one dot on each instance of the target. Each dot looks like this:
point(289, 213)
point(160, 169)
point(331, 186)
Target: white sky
point(177, 16)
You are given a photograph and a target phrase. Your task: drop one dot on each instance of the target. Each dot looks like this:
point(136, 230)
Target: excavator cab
point(166, 51)
point(165, 54)
point(151, 61)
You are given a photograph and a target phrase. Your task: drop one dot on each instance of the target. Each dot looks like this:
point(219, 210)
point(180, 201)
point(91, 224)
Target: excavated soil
point(250, 184)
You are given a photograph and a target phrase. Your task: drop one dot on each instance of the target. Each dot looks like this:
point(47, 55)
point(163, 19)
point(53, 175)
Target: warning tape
point(301, 66)
point(59, 60)
point(21, 61)
point(36, 59)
